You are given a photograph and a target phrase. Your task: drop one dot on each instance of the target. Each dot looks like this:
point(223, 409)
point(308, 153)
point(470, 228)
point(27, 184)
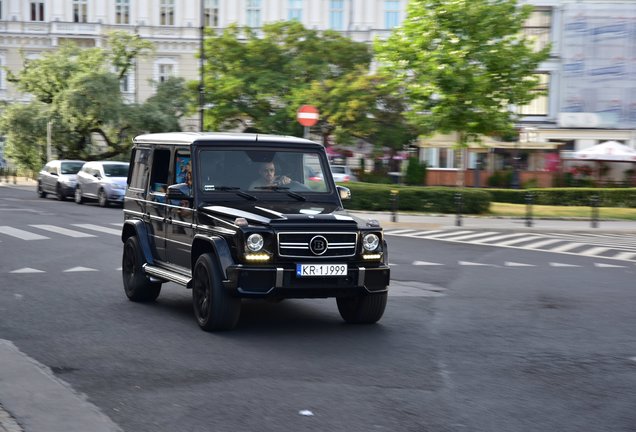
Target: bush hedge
point(378, 197)
point(430, 199)
point(608, 197)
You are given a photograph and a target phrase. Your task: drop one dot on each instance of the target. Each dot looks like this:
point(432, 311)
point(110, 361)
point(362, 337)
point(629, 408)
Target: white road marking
point(98, 228)
point(625, 255)
point(566, 247)
point(594, 251)
point(472, 236)
point(399, 232)
point(604, 265)
point(26, 270)
point(446, 234)
point(541, 243)
point(79, 269)
point(552, 264)
point(21, 234)
point(469, 263)
point(425, 263)
point(63, 231)
point(518, 240)
point(424, 233)
point(516, 264)
point(499, 237)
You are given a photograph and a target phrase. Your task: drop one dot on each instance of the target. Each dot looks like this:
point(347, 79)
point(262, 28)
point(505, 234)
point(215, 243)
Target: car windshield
point(116, 170)
point(71, 167)
point(338, 169)
point(261, 171)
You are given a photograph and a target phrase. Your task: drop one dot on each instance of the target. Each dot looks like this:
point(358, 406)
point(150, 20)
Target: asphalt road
point(475, 338)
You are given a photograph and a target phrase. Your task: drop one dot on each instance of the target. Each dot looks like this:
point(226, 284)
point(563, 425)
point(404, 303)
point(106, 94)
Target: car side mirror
point(177, 192)
point(344, 192)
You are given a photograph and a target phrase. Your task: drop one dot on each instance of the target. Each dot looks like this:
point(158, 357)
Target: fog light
point(372, 256)
point(261, 257)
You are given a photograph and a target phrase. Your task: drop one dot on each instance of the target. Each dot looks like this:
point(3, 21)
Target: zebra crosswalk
point(38, 231)
point(620, 247)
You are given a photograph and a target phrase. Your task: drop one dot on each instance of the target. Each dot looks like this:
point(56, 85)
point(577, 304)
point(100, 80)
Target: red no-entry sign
point(307, 115)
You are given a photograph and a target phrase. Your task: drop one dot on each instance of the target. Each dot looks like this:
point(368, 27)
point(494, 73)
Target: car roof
point(189, 138)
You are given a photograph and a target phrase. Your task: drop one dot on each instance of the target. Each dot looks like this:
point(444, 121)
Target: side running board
point(168, 275)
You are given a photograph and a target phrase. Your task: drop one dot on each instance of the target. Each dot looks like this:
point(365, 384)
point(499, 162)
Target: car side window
point(160, 170)
point(139, 175)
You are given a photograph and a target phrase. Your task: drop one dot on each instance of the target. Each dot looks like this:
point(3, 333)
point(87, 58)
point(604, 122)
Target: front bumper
point(282, 282)
point(116, 195)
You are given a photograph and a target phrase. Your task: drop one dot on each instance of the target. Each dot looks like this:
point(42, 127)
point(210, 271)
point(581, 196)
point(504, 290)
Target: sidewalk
point(445, 221)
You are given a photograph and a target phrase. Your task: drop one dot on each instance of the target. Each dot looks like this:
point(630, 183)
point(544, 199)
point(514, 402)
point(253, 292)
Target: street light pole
point(201, 65)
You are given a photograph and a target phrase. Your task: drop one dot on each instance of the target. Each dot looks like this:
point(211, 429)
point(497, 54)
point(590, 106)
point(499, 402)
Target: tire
point(362, 309)
point(137, 286)
point(41, 192)
point(79, 199)
point(214, 308)
point(59, 194)
point(102, 199)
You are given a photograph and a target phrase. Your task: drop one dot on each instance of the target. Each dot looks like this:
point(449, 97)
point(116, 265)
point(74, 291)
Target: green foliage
point(258, 82)
point(377, 197)
point(609, 197)
point(415, 172)
point(461, 63)
point(75, 91)
point(502, 178)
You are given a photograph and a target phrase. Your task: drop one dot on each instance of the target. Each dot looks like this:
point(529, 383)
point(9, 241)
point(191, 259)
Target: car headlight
point(370, 242)
point(255, 242)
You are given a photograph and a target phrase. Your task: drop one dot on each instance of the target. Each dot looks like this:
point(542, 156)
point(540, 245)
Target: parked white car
point(342, 173)
point(58, 177)
point(103, 181)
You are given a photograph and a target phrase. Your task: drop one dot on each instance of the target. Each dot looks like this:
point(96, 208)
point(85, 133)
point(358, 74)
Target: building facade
point(590, 77)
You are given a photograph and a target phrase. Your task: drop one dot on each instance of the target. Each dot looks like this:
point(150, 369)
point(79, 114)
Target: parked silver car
point(104, 181)
point(59, 177)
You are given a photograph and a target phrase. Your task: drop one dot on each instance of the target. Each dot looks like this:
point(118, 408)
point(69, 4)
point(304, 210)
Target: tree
point(259, 82)
point(76, 92)
point(460, 65)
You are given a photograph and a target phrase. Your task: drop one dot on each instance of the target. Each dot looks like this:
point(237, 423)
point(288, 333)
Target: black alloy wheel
point(60, 193)
point(137, 286)
point(102, 199)
point(362, 309)
point(214, 308)
point(78, 195)
point(41, 192)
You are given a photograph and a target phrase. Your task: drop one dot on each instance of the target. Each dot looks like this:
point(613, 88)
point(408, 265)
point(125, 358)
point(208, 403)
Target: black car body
point(228, 239)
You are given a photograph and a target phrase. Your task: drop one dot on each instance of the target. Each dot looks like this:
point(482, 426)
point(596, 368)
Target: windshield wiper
point(238, 192)
point(283, 189)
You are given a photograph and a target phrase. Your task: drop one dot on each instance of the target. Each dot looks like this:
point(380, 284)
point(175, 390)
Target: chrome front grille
point(297, 244)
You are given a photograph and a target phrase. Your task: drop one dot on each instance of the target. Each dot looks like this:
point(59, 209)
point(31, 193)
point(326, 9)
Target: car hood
point(117, 180)
point(69, 178)
point(287, 214)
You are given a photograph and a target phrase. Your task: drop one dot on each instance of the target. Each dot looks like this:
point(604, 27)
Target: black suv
point(236, 216)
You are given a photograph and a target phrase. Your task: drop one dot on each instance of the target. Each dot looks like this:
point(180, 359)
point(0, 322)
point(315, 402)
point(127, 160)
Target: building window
point(211, 13)
point(166, 68)
point(537, 27)
point(539, 105)
point(166, 13)
point(295, 11)
point(391, 13)
point(440, 157)
point(80, 11)
point(122, 12)
point(336, 14)
point(37, 11)
point(253, 13)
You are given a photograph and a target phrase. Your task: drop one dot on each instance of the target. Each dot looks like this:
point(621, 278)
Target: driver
point(267, 177)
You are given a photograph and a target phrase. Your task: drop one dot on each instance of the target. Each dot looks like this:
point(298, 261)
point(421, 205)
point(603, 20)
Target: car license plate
point(308, 270)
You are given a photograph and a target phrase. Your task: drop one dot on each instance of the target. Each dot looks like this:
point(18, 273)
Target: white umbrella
point(607, 151)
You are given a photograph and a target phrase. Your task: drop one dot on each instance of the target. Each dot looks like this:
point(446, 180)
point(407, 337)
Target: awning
point(450, 141)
